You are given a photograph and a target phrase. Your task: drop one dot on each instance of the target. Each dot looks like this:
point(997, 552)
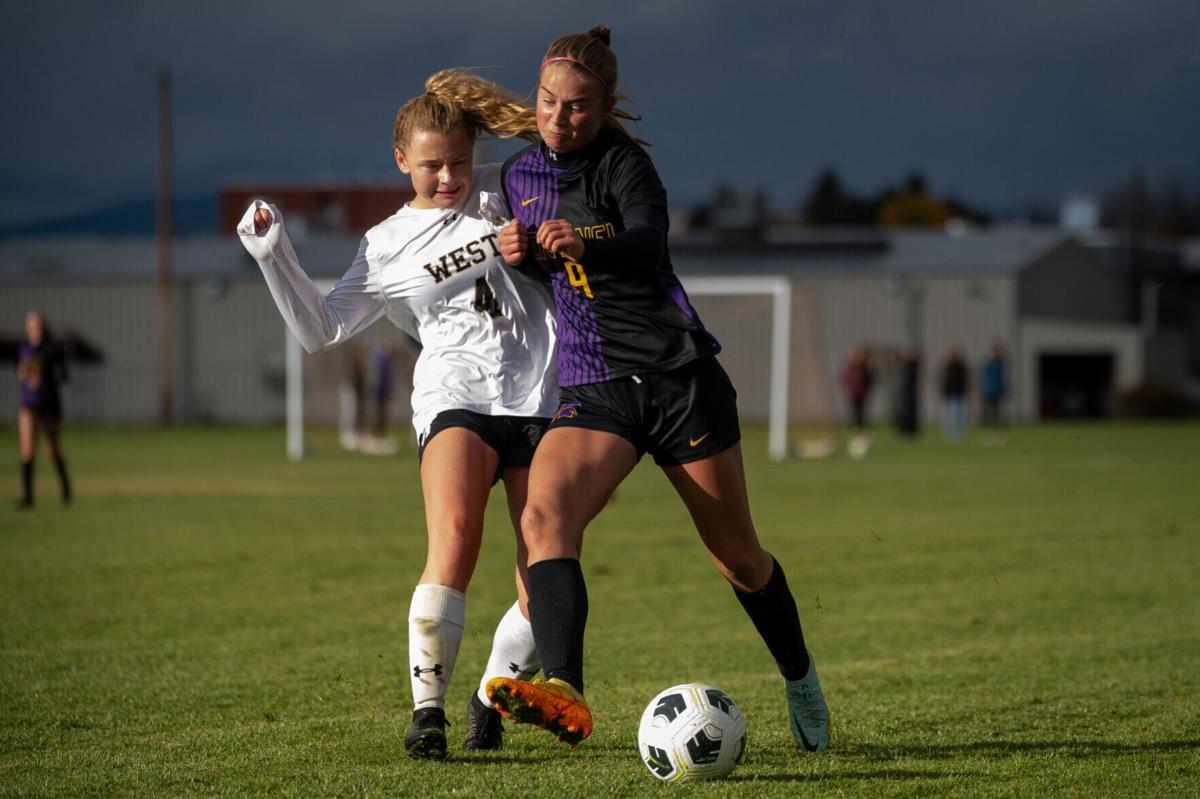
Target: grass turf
point(210, 619)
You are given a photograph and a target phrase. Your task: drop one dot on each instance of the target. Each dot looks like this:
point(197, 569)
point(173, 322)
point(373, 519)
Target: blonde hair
point(590, 55)
point(455, 98)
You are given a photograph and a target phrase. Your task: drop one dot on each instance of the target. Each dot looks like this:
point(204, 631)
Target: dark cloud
point(996, 101)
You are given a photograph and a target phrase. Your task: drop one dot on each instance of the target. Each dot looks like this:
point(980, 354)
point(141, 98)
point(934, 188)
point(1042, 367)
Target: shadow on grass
point(514, 759)
point(882, 774)
point(1082, 748)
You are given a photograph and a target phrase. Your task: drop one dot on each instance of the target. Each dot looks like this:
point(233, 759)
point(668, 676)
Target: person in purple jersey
point(41, 370)
point(638, 374)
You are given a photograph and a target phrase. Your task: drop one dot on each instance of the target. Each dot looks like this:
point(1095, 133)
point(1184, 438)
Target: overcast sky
point(998, 101)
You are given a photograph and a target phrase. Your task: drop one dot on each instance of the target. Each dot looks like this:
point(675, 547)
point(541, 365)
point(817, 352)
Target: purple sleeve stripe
point(676, 292)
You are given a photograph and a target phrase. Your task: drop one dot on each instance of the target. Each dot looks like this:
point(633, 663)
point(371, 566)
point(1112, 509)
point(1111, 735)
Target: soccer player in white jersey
point(484, 386)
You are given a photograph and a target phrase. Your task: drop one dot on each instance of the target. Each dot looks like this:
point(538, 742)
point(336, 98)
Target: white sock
point(435, 627)
point(514, 654)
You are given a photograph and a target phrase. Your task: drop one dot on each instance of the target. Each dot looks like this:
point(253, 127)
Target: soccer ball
point(691, 732)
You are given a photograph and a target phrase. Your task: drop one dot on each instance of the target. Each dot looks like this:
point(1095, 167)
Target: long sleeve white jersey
point(487, 332)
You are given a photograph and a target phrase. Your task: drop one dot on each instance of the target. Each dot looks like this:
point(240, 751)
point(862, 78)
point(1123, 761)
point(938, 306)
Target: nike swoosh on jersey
point(692, 442)
point(530, 200)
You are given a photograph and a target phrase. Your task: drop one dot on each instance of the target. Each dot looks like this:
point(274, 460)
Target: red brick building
point(344, 208)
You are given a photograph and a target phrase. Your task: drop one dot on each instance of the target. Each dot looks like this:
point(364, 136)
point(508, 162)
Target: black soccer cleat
point(485, 729)
point(426, 739)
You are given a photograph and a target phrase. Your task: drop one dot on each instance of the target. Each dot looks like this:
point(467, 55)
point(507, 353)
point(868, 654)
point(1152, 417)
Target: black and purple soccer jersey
point(43, 368)
point(622, 310)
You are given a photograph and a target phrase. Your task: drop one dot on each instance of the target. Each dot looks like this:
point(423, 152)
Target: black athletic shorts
point(45, 410)
point(513, 438)
point(682, 415)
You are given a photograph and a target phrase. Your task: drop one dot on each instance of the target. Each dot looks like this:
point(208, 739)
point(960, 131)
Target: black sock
point(27, 482)
point(773, 611)
point(558, 609)
point(61, 466)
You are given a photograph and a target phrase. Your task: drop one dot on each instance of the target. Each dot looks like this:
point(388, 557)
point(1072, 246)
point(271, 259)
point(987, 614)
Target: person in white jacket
point(484, 386)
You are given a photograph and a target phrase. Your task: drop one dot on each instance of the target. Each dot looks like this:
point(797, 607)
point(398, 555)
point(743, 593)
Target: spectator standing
point(993, 387)
point(857, 381)
point(908, 382)
point(954, 395)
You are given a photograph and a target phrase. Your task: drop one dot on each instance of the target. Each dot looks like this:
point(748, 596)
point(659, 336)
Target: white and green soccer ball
point(691, 732)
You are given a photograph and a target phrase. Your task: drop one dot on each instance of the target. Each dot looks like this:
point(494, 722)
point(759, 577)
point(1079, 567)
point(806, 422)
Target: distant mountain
point(193, 214)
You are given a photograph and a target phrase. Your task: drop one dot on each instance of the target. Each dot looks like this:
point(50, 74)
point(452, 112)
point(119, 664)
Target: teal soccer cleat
point(808, 715)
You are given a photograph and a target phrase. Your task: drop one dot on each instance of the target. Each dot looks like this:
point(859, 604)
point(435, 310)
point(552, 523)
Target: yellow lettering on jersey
point(577, 277)
point(602, 231)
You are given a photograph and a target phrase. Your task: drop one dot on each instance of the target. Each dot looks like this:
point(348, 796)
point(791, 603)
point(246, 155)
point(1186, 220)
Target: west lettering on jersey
point(457, 260)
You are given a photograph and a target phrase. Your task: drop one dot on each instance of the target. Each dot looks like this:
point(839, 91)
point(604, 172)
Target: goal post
point(294, 369)
point(294, 385)
point(779, 290)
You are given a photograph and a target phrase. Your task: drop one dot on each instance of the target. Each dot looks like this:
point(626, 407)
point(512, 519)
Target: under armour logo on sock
point(436, 671)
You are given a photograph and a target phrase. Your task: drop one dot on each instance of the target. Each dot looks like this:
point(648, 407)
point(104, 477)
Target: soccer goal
point(363, 387)
point(752, 317)
point(756, 350)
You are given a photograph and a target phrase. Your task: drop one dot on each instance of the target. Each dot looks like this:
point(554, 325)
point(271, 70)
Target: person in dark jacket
point(857, 381)
point(41, 371)
point(907, 408)
point(955, 383)
point(993, 388)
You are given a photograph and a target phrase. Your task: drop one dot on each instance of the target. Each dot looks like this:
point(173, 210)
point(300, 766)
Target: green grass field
point(210, 619)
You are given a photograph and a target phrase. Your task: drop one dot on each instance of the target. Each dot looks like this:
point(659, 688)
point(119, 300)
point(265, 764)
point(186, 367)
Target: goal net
point(751, 316)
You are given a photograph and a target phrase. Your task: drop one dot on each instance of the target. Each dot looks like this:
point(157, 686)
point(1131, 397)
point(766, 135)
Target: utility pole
point(163, 232)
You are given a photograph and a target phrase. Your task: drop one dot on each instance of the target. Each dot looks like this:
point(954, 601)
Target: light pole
point(163, 232)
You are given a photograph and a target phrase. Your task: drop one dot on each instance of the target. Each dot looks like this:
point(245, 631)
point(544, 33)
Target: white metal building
point(1058, 309)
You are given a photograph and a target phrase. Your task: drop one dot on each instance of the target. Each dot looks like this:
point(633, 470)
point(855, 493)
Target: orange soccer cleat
point(554, 705)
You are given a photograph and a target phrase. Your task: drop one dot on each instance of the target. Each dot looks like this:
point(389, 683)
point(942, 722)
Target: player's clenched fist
point(262, 220)
point(560, 237)
point(514, 243)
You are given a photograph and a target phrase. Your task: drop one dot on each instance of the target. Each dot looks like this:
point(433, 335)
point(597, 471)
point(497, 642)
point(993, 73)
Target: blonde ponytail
point(456, 98)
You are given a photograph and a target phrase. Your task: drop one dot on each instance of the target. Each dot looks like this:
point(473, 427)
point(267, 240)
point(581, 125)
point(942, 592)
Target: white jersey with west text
point(487, 332)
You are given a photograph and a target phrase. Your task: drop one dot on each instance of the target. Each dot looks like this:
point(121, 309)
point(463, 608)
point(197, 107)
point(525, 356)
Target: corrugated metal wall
point(229, 342)
point(885, 314)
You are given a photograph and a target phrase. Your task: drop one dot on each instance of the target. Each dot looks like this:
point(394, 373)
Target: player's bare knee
point(456, 525)
point(456, 534)
point(541, 528)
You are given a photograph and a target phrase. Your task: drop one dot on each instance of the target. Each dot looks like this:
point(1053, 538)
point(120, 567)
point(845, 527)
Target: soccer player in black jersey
point(638, 374)
point(41, 369)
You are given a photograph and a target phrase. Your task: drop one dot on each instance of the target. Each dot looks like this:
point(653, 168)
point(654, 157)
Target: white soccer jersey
point(486, 331)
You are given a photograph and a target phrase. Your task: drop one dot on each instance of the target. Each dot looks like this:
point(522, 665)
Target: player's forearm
point(313, 321)
point(643, 240)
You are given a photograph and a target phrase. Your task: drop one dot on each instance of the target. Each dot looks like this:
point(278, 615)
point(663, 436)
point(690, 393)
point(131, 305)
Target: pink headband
point(596, 74)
